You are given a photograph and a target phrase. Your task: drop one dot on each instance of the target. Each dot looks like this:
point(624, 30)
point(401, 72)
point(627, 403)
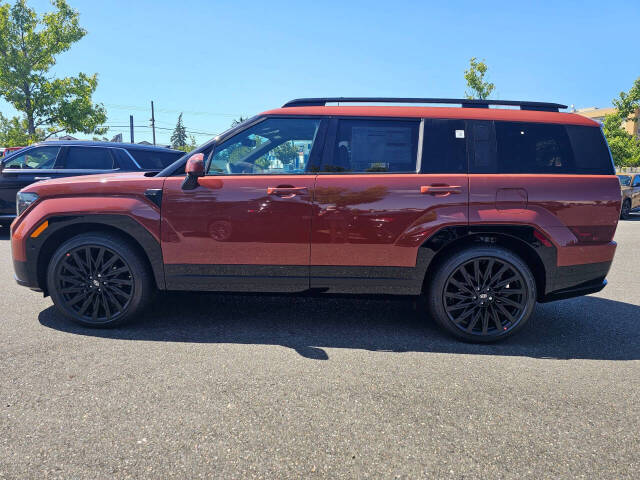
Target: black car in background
point(55, 159)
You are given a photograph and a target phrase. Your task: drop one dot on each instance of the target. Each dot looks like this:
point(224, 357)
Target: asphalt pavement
point(220, 386)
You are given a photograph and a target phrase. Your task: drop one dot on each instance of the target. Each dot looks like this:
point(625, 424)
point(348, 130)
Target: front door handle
point(285, 191)
point(42, 178)
point(440, 189)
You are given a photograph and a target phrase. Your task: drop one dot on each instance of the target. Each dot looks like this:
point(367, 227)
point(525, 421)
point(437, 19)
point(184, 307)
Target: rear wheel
point(626, 210)
point(98, 280)
point(482, 294)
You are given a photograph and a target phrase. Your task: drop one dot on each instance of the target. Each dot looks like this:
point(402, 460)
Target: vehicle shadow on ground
point(581, 328)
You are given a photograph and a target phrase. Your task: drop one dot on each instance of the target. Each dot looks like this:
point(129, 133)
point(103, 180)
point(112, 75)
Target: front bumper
point(24, 276)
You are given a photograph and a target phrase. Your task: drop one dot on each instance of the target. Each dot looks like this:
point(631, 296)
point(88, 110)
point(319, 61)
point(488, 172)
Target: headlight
point(23, 200)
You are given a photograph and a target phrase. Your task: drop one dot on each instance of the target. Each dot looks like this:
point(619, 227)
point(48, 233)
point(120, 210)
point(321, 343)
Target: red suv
point(483, 211)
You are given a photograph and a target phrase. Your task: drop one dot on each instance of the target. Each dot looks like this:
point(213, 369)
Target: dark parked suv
point(481, 211)
point(55, 159)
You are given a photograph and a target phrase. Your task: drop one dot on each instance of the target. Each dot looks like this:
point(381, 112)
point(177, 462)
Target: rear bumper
point(577, 280)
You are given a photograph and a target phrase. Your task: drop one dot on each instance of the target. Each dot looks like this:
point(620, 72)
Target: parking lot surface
point(210, 385)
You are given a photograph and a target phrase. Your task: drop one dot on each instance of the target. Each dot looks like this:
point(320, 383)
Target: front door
point(247, 225)
point(25, 168)
point(381, 192)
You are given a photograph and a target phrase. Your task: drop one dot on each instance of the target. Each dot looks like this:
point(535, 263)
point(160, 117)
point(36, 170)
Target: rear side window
point(590, 150)
point(154, 159)
point(444, 147)
point(88, 158)
point(374, 146)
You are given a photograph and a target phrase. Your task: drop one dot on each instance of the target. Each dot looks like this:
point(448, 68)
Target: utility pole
point(131, 127)
point(153, 123)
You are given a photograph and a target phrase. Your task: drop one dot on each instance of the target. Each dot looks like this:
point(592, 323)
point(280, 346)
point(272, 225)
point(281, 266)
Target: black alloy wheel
point(485, 296)
point(99, 280)
point(95, 283)
point(626, 210)
point(481, 294)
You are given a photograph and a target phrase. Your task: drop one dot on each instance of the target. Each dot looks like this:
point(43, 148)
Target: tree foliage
point(29, 45)
point(14, 132)
point(286, 152)
point(478, 87)
point(625, 148)
point(179, 135)
point(190, 145)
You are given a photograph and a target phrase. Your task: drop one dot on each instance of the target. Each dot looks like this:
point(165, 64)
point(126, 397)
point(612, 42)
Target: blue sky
point(216, 60)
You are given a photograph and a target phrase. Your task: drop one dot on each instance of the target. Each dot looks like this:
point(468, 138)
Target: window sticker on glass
point(459, 133)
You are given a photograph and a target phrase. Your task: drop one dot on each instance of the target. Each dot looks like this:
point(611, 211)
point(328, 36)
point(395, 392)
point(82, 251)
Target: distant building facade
point(631, 125)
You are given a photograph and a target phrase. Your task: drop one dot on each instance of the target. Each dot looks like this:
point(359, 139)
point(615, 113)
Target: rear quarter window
point(539, 148)
point(154, 160)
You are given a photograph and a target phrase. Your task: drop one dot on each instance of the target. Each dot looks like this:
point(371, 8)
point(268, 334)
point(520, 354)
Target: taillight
point(593, 234)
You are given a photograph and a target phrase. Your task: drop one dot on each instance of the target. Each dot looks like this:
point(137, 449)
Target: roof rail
point(467, 103)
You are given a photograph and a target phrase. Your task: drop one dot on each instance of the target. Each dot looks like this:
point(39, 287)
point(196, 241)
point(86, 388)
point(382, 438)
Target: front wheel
point(99, 280)
point(482, 294)
point(626, 210)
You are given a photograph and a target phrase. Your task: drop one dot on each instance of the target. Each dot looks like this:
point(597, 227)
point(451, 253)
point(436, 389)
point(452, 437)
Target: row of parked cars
point(56, 159)
point(481, 212)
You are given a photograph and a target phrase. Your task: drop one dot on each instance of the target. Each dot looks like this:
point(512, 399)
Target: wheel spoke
point(509, 302)
point(456, 296)
point(496, 318)
point(473, 321)
point(485, 321)
point(458, 306)
point(467, 278)
point(461, 286)
point(487, 273)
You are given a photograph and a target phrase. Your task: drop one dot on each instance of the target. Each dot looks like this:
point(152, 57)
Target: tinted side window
point(88, 158)
point(154, 160)
point(40, 157)
point(444, 147)
point(590, 150)
point(370, 146)
point(625, 180)
point(636, 181)
point(533, 148)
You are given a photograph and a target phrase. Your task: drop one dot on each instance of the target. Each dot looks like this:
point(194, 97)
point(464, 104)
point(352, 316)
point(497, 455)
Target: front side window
point(88, 158)
point(273, 146)
point(374, 146)
point(40, 158)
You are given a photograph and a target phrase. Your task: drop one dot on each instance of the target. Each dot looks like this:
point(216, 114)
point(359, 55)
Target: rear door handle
point(440, 189)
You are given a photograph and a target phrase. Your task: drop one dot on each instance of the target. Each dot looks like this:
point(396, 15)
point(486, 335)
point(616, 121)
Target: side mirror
point(195, 170)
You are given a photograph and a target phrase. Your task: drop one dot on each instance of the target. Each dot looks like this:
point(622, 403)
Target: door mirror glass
point(194, 169)
point(195, 165)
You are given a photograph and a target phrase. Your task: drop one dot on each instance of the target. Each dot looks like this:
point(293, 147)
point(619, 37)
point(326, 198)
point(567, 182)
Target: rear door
point(383, 188)
point(25, 168)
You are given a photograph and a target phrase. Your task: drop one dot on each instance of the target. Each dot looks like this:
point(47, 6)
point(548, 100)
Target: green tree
point(179, 135)
point(478, 87)
point(14, 132)
point(29, 45)
point(191, 144)
point(286, 153)
point(625, 148)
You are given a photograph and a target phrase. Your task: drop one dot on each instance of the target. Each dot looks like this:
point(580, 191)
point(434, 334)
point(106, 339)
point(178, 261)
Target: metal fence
point(627, 169)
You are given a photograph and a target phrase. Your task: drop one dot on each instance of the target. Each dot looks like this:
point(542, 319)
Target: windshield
point(625, 180)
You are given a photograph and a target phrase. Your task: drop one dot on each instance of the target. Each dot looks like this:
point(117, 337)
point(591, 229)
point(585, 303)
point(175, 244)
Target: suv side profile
point(67, 158)
point(481, 211)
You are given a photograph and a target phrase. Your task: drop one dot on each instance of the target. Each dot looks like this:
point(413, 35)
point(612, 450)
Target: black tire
point(116, 281)
point(626, 210)
point(481, 307)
